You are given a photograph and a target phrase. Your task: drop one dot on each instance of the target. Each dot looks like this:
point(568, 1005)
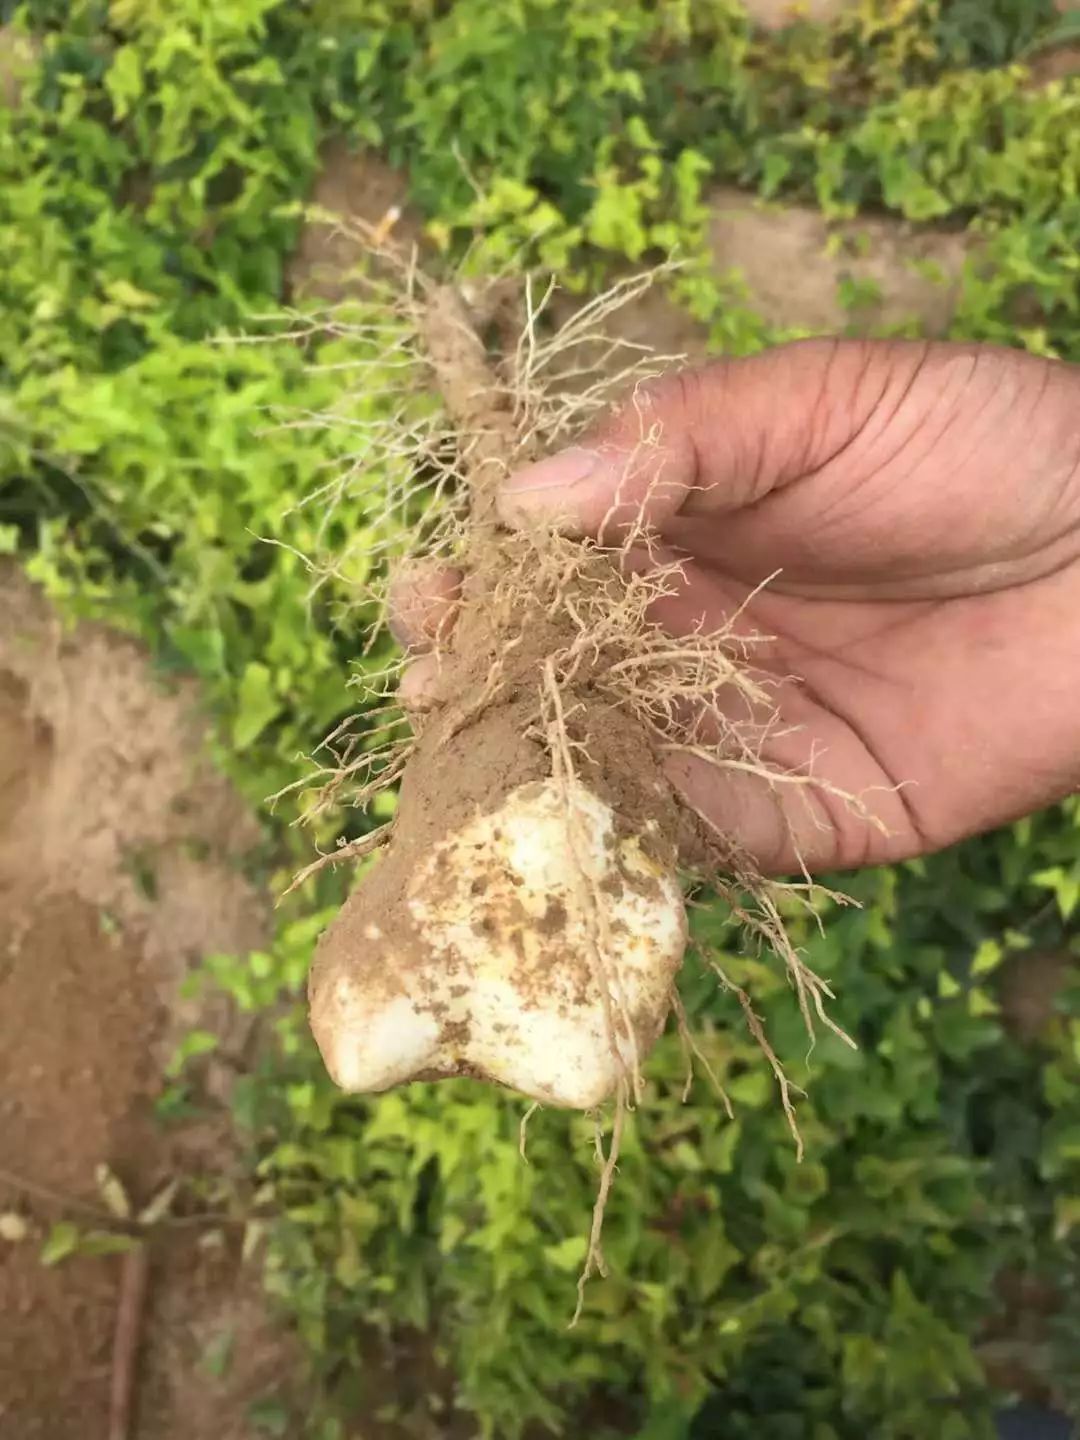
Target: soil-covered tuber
point(527, 923)
point(533, 942)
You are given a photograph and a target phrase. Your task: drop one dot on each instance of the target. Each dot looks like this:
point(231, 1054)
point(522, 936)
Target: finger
point(689, 597)
point(423, 604)
point(710, 440)
point(799, 792)
point(828, 460)
point(780, 834)
point(789, 820)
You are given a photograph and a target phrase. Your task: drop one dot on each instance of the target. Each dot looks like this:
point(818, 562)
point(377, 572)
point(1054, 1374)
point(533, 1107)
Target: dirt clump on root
point(119, 867)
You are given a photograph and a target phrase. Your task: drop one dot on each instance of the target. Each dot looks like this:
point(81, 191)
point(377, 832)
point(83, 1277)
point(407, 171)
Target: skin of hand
point(915, 511)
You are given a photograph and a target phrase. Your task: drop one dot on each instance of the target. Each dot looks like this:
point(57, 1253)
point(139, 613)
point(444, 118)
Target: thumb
point(636, 465)
point(708, 440)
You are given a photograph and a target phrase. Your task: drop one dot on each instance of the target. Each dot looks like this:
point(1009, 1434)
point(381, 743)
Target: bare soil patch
point(1058, 63)
point(119, 855)
point(353, 189)
point(778, 14)
point(794, 264)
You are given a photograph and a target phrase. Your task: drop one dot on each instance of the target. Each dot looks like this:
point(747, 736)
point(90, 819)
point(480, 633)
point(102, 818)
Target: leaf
point(1065, 885)
point(1064, 30)
point(106, 1242)
point(568, 1254)
point(754, 1088)
point(159, 1205)
point(256, 705)
point(987, 957)
point(194, 1044)
point(61, 1241)
point(128, 296)
point(254, 1234)
point(124, 80)
point(719, 1150)
point(981, 1003)
point(112, 1192)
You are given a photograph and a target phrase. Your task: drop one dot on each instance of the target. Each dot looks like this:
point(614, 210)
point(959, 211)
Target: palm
point(932, 627)
point(902, 521)
point(924, 711)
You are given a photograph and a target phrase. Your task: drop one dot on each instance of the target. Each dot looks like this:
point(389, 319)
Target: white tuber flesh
point(539, 951)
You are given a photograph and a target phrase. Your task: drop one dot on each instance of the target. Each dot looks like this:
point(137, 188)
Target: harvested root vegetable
point(527, 923)
point(506, 950)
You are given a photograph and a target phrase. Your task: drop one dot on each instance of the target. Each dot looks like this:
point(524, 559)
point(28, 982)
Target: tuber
point(527, 923)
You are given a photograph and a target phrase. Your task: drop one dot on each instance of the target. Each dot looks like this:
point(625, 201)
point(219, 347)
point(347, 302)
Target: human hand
point(918, 506)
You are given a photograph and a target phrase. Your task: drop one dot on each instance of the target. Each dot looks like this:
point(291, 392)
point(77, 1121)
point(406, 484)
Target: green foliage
point(65, 1240)
point(973, 32)
point(151, 493)
point(971, 143)
point(148, 203)
point(593, 134)
point(151, 186)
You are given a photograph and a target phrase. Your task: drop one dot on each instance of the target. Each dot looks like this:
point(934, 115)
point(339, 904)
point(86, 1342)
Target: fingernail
point(556, 472)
